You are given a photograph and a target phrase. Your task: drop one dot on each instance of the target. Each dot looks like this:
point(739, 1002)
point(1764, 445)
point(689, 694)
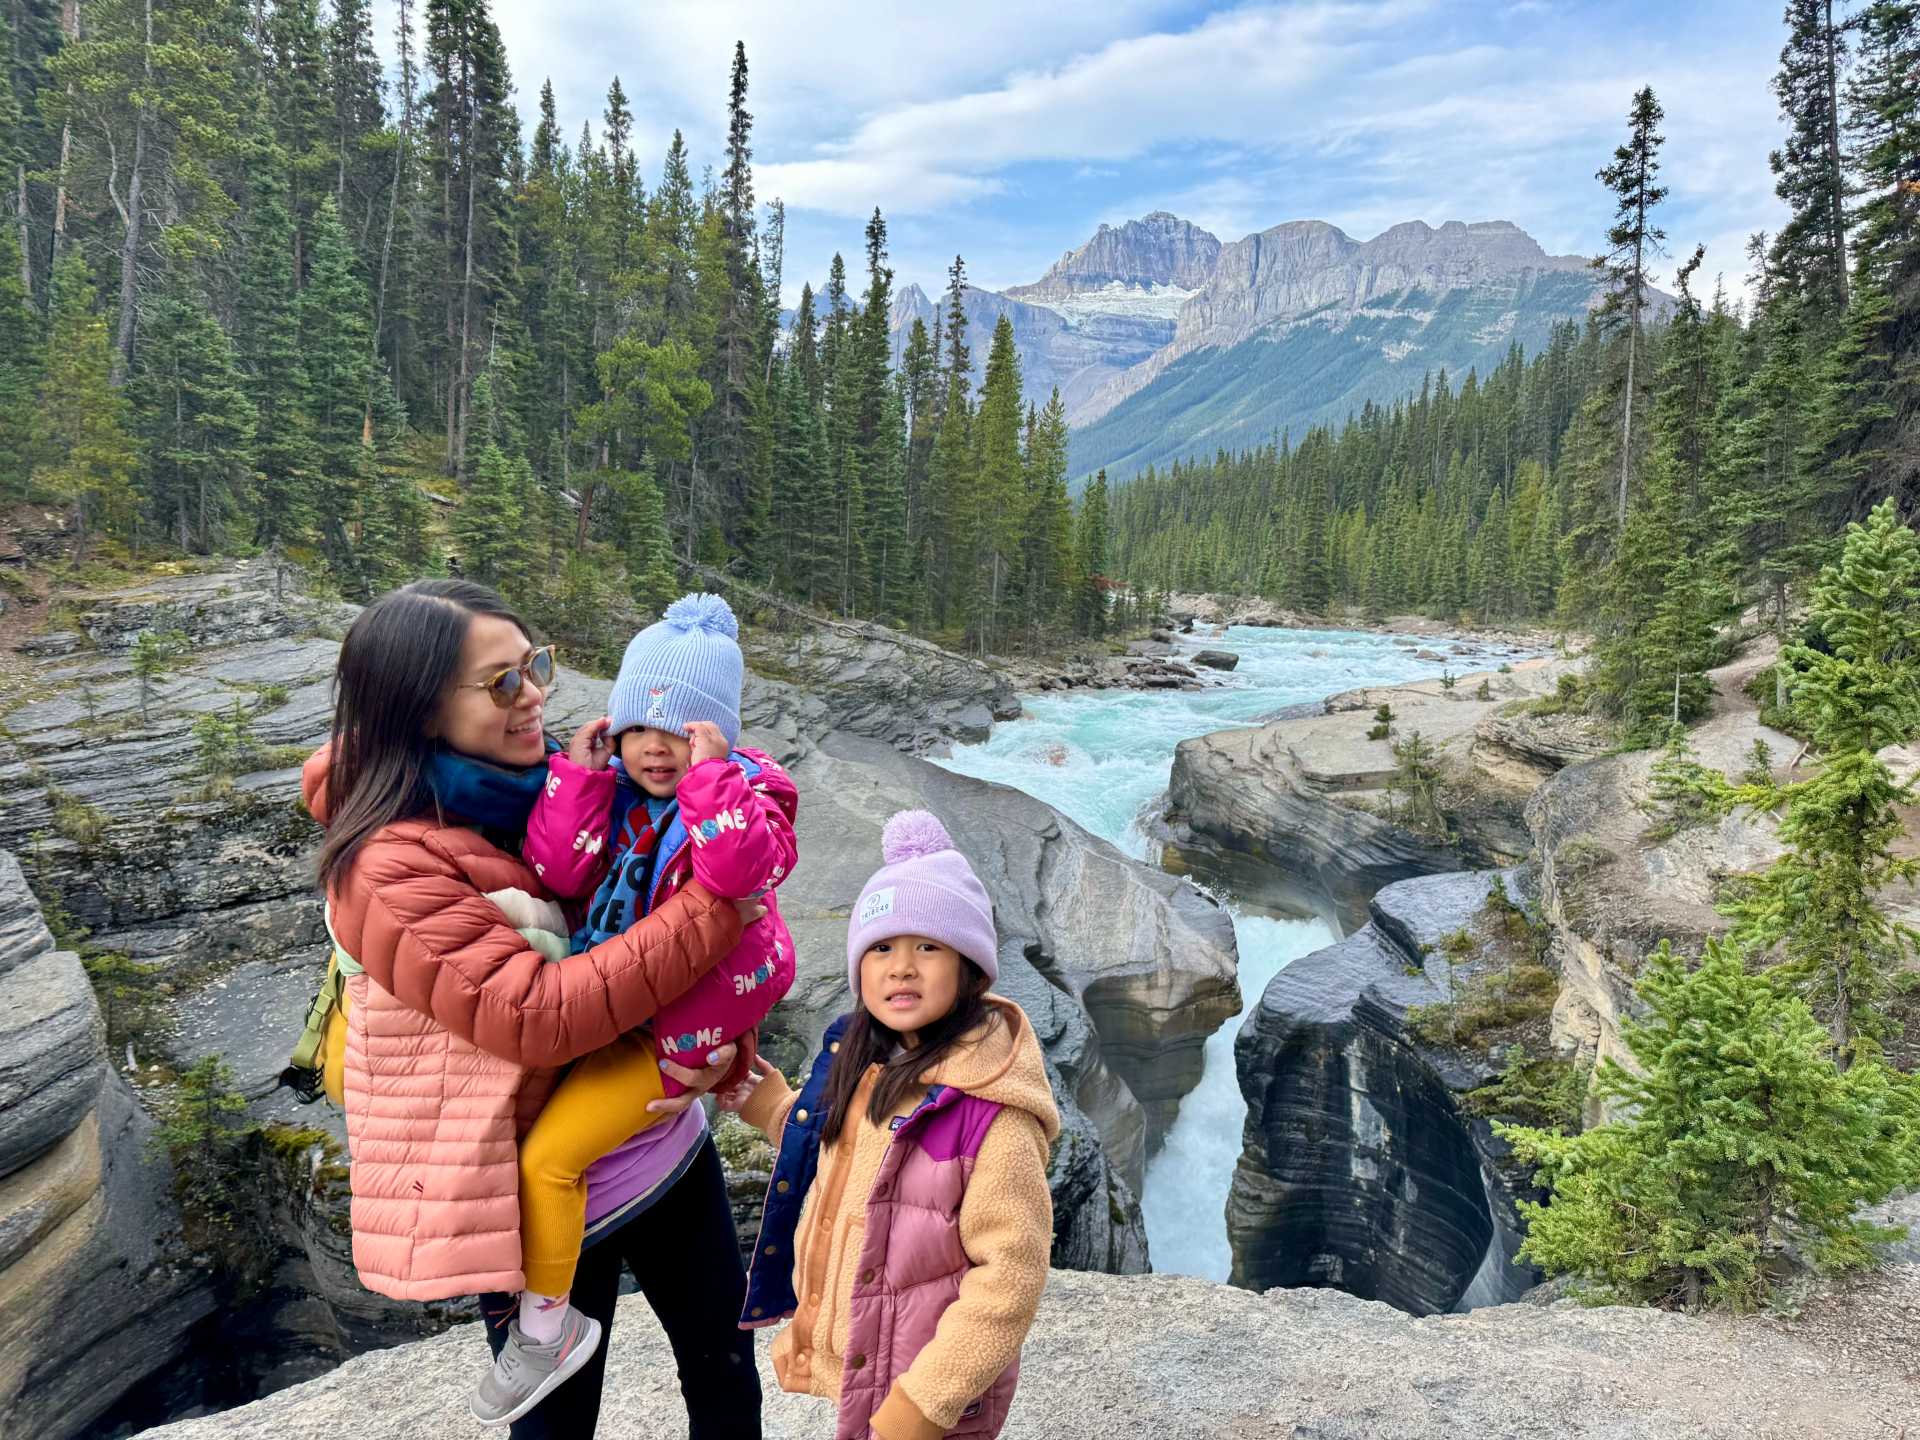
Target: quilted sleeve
point(567, 842)
point(431, 940)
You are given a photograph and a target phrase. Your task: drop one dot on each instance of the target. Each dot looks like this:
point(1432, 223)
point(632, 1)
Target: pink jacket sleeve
point(567, 842)
point(742, 829)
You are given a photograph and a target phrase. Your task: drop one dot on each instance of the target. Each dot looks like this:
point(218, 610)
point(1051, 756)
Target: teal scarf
point(493, 797)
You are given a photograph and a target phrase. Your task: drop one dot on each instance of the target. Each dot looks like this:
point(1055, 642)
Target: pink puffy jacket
point(739, 843)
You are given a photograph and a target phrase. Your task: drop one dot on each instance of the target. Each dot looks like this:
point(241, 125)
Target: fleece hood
point(1001, 1061)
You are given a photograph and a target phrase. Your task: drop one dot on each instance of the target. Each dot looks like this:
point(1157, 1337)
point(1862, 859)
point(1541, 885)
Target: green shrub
point(75, 820)
point(742, 1147)
point(152, 653)
point(1744, 1137)
point(1536, 1090)
point(1497, 1000)
point(1483, 691)
point(1416, 782)
point(128, 992)
point(1569, 697)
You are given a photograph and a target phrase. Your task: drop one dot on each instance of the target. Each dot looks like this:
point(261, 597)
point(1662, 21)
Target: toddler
point(643, 800)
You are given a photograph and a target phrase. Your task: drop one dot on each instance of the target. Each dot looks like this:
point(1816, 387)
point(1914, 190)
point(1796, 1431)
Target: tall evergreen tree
point(85, 457)
point(1632, 241)
point(1810, 250)
point(195, 423)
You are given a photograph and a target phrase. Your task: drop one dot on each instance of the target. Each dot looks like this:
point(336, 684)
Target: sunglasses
point(504, 689)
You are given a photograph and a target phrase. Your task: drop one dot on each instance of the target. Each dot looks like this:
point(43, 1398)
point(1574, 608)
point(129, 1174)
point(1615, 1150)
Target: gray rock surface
point(1161, 1355)
point(1297, 813)
point(1216, 659)
point(94, 1290)
point(1360, 1171)
point(1612, 892)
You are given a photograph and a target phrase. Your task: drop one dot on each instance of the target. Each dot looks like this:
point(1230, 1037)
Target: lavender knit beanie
point(925, 888)
point(686, 666)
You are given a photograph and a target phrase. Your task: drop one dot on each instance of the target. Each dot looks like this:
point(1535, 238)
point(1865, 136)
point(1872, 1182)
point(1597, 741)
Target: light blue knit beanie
point(686, 666)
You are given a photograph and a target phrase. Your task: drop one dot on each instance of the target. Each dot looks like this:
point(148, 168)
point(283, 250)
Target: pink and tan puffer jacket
point(453, 1033)
point(914, 1266)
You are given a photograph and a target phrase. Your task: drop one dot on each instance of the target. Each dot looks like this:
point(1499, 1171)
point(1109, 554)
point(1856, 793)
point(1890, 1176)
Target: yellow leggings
point(600, 1105)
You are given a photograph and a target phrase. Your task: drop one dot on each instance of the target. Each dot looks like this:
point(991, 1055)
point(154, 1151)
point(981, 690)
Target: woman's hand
point(750, 911)
point(590, 747)
point(706, 741)
point(736, 1095)
point(698, 1082)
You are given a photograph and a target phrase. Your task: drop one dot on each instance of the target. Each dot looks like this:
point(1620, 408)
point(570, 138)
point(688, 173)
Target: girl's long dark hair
point(867, 1042)
point(398, 660)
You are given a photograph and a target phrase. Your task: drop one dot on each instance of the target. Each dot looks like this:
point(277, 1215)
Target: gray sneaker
point(524, 1374)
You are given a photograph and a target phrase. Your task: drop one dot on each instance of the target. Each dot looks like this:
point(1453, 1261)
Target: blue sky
point(1009, 131)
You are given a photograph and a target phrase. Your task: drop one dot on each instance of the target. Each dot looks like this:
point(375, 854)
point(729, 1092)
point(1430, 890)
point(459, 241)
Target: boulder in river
point(1216, 659)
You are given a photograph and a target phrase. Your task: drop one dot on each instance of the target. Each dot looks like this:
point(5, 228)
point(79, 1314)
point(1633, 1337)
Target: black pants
point(686, 1260)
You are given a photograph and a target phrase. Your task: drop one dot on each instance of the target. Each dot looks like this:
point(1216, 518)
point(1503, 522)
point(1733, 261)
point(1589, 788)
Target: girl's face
point(909, 982)
point(655, 760)
point(468, 721)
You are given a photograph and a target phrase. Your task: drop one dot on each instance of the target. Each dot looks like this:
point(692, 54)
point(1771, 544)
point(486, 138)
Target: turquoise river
point(1103, 758)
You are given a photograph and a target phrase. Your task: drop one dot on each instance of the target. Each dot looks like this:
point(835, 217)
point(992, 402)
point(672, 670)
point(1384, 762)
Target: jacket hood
point(1002, 1062)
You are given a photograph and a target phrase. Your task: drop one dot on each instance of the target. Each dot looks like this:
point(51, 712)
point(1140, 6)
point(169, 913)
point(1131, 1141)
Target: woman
point(457, 1023)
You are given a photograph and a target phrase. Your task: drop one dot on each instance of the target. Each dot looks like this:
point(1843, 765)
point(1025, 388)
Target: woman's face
point(469, 721)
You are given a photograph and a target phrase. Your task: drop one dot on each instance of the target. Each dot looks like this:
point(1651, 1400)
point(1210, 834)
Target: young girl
point(908, 1225)
point(651, 796)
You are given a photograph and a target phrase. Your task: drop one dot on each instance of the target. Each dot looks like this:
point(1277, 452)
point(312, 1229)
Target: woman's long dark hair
point(867, 1042)
point(398, 660)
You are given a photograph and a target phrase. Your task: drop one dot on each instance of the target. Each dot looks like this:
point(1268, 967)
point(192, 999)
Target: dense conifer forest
point(1673, 464)
point(256, 293)
point(260, 294)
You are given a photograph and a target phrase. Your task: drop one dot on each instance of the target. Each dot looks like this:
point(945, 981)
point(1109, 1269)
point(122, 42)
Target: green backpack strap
point(303, 1072)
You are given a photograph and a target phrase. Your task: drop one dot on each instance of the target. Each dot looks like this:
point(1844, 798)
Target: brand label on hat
point(876, 906)
point(657, 704)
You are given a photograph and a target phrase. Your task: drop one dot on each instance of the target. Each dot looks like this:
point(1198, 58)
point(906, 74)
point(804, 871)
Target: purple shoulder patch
point(957, 1128)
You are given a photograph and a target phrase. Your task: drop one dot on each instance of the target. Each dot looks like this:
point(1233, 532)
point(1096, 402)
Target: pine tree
point(21, 353)
point(1632, 240)
point(1000, 515)
point(393, 532)
point(195, 423)
point(85, 456)
point(1810, 250)
point(1048, 540)
point(150, 105)
point(1742, 1135)
point(336, 351)
point(1856, 693)
point(1090, 559)
point(269, 343)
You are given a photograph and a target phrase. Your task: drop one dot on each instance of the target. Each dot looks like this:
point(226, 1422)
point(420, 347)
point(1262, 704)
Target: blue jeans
point(685, 1257)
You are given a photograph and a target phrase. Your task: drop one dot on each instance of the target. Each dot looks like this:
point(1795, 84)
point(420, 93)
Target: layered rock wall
point(1360, 1170)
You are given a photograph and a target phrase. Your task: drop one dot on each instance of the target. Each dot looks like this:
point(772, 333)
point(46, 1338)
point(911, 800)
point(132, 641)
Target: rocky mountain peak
point(1157, 251)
